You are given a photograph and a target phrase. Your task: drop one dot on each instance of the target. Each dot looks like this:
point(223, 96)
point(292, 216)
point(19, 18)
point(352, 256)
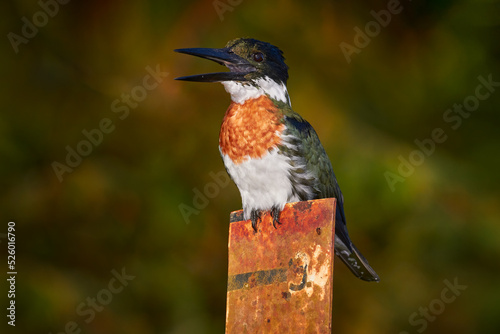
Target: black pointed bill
point(238, 66)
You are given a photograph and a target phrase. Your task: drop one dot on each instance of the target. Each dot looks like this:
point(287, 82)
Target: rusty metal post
point(281, 280)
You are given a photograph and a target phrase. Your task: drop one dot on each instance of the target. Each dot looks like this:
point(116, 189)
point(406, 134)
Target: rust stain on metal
point(281, 280)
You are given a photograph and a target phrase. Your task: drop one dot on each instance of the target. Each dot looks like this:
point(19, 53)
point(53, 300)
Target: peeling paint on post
point(281, 280)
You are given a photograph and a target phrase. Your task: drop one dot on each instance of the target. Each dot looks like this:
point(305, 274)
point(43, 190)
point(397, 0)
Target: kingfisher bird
point(272, 154)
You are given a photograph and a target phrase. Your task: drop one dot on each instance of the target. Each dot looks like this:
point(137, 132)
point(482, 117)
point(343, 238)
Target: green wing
point(313, 170)
point(305, 149)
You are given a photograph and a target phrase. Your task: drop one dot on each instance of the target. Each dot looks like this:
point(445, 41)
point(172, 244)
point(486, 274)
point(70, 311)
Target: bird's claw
point(255, 216)
point(275, 213)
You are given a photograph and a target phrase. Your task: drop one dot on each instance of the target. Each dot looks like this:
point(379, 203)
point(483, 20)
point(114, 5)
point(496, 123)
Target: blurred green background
point(118, 209)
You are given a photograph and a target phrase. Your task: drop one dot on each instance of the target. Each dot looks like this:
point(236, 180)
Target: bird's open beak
point(238, 66)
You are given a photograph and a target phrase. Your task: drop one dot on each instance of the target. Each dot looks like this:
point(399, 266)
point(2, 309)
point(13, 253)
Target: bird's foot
point(255, 216)
point(275, 213)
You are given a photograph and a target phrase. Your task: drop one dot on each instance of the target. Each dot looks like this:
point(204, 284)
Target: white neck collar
point(240, 91)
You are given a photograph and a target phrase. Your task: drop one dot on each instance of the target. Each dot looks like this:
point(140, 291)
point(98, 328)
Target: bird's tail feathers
point(355, 261)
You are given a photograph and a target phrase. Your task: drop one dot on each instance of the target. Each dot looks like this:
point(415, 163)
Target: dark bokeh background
point(119, 208)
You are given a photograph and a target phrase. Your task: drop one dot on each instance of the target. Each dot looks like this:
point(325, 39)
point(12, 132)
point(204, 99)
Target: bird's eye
point(258, 57)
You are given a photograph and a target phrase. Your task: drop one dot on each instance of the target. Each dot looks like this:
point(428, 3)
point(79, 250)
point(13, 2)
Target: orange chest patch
point(250, 129)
